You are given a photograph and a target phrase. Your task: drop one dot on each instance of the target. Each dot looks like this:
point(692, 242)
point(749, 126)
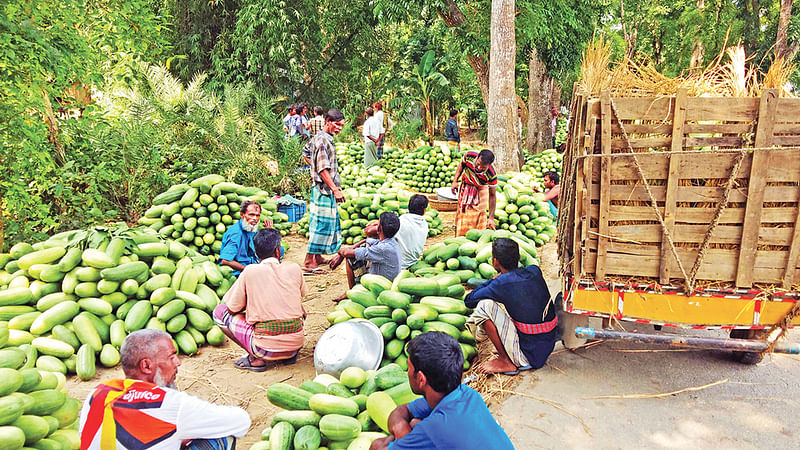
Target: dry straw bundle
point(732, 78)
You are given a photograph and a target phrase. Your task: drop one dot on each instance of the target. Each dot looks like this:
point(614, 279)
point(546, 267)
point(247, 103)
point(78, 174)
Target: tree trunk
point(501, 109)
point(454, 18)
point(540, 91)
point(783, 26)
point(695, 64)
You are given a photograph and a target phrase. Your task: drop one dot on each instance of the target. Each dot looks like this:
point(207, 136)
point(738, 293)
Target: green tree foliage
point(668, 33)
point(51, 54)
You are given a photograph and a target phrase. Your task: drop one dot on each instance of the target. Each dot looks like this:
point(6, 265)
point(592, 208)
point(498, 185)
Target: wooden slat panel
point(785, 166)
point(699, 194)
point(644, 108)
point(794, 252)
point(729, 128)
point(726, 141)
point(642, 128)
point(787, 141)
point(755, 191)
point(788, 109)
point(718, 265)
point(722, 108)
point(698, 215)
point(787, 128)
point(670, 206)
point(618, 144)
point(723, 234)
point(605, 179)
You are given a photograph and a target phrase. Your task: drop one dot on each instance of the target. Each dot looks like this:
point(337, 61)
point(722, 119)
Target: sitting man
point(146, 411)
point(450, 414)
point(525, 335)
point(263, 310)
point(380, 255)
point(237, 243)
point(553, 189)
point(413, 231)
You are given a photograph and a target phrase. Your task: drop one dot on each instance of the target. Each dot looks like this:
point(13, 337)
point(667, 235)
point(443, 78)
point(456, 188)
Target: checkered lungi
point(469, 216)
point(491, 310)
point(324, 228)
point(380, 146)
point(243, 333)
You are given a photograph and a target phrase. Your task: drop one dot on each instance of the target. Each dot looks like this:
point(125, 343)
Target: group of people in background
point(297, 124)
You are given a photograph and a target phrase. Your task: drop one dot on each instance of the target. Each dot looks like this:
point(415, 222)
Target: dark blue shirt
point(451, 131)
point(237, 245)
point(525, 296)
point(461, 420)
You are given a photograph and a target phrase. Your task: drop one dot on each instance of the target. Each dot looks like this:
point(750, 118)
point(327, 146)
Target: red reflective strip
point(538, 328)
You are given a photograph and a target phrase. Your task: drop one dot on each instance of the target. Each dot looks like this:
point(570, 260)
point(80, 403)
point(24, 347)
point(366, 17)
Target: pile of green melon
point(365, 205)
point(35, 410)
point(71, 300)
point(408, 306)
point(348, 412)
point(197, 214)
point(427, 168)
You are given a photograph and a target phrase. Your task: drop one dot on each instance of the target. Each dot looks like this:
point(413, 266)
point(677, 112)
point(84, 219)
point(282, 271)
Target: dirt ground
point(210, 374)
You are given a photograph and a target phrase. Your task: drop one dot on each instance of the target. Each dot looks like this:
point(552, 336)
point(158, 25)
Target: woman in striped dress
point(475, 184)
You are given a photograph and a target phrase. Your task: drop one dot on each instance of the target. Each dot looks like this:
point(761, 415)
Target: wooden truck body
point(682, 211)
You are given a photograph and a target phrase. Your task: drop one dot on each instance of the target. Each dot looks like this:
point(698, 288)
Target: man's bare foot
point(496, 365)
point(320, 260)
point(340, 298)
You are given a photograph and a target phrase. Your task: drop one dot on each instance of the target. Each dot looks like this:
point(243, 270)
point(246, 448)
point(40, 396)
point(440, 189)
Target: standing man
point(316, 124)
point(372, 135)
point(303, 129)
point(476, 185)
point(263, 310)
point(237, 249)
point(380, 118)
point(553, 124)
point(145, 410)
point(525, 335)
point(324, 227)
point(413, 231)
point(288, 121)
point(553, 189)
point(451, 130)
point(450, 415)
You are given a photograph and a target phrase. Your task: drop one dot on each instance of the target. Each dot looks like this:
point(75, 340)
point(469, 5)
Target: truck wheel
point(750, 358)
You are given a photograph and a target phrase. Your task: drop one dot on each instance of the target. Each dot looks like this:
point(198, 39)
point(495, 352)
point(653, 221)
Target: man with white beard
point(237, 249)
point(146, 411)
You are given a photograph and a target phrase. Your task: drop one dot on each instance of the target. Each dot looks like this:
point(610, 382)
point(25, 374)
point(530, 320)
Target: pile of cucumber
point(35, 411)
point(198, 213)
point(73, 298)
point(519, 209)
point(345, 413)
point(407, 307)
point(469, 258)
point(365, 205)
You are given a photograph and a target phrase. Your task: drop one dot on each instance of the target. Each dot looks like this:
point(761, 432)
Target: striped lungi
point(469, 217)
point(491, 310)
point(244, 332)
point(380, 146)
point(324, 228)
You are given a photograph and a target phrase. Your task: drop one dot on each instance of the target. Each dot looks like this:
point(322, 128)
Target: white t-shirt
point(372, 128)
point(161, 418)
point(379, 118)
point(411, 238)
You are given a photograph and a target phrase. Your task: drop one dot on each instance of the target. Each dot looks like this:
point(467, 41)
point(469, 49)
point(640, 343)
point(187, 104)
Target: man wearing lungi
point(263, 311)
point(523, 329)
point(325, 230)
point(475, 184)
